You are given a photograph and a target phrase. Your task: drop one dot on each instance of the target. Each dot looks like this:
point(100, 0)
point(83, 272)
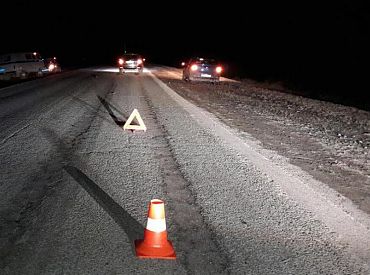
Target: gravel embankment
point(329, 141)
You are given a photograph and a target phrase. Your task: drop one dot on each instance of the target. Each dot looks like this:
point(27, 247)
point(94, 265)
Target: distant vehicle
point(53, 65)
point(201, 69)
point(131, 62)
point(21, 65)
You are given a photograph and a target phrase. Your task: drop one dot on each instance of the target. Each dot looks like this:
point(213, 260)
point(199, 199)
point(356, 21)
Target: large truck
point(21, 65)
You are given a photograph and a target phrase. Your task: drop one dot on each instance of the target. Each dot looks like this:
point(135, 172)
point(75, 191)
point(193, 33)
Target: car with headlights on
point(53, 65)
point(202, 69)
point(131, 62)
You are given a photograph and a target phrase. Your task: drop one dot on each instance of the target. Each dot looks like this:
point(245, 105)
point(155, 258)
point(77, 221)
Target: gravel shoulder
point(329, 141)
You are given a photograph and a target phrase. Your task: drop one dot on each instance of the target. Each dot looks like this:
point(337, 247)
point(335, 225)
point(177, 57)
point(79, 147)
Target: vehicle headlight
point(218, 69)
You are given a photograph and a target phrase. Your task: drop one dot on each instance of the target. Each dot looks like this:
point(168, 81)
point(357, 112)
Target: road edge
point(334, 210)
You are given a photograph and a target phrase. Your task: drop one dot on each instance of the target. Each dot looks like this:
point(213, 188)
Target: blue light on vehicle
point(2, 71)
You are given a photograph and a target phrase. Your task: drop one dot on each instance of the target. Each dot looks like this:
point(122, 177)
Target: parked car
point(201, 69)
point(22, 65)
point(131, 62)
point(53, 65)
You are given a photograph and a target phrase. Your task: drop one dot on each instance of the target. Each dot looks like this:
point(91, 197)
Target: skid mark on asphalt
point(195, 243)
point(132, 227)
point(109, 107)
point(17, 219)
point(44, 112)
point(14, 133)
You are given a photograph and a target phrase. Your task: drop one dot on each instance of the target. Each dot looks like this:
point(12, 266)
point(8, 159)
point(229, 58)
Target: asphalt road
point(75, 187)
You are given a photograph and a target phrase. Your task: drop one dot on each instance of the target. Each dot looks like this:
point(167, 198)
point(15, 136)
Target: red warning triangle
point(140, 126)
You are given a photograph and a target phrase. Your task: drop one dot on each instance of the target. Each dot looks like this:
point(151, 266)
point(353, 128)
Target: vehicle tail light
point(218, 69)
point(139, 61)
point(120, 61)
point(194, 67)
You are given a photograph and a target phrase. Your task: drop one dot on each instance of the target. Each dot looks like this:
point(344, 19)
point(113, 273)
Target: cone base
point(144, 251)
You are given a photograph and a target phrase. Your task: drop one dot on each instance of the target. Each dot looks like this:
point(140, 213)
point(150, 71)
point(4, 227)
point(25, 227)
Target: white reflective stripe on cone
point(156, 225)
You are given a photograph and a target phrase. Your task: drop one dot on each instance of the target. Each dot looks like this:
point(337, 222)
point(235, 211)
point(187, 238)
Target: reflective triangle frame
point(140, 127)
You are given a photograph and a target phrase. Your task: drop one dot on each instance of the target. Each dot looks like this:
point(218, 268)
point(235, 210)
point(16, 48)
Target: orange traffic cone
point(155, 244)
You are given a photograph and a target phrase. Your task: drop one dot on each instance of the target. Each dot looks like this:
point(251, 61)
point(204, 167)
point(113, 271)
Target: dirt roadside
point(329, 141)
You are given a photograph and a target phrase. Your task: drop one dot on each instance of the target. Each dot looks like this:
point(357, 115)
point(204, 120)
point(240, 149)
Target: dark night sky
point(306, 42)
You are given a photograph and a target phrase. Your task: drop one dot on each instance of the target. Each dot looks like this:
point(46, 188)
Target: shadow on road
point(93, 108)
point(65, 153)
point(132, 227)
point(109, 108)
